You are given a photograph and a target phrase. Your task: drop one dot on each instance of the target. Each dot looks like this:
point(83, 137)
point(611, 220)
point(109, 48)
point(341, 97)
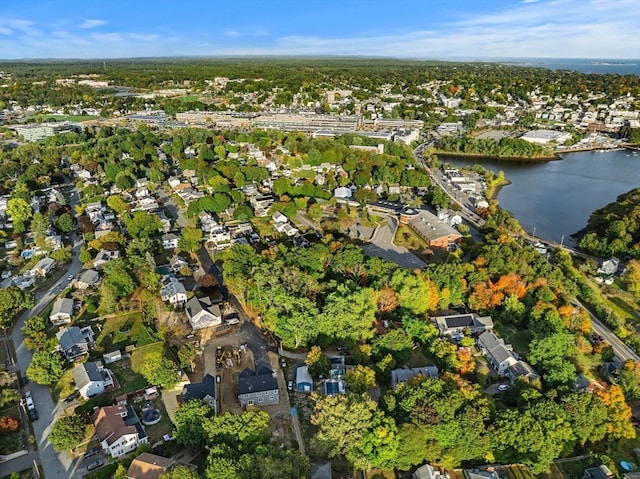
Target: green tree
point(46, 368)
point(189, 421)
point(67, 432)
point(13, 300)
point(317, 362)
point(62, 255)
point(631, 277)
point(65, 223)
point(180, 472)
point(84, 255)
point(19, 210)
point(361, 379)
point(186, 355)
point(142, 224)
point(117, 204)
point(348, 314)
point(117, 277)
point(158, 370)
point(190, 240)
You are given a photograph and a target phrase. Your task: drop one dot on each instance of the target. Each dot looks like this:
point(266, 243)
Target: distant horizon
point(412, 29)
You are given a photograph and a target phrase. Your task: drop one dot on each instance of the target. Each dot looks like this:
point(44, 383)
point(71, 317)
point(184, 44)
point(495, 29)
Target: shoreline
point(557, 154)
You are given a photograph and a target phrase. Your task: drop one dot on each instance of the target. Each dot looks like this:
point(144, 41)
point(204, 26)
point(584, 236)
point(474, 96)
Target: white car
point(70, 277)
point(503, 387)
point(232, 321)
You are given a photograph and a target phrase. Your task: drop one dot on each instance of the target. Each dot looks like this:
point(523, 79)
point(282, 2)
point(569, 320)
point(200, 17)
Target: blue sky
point(442, 29)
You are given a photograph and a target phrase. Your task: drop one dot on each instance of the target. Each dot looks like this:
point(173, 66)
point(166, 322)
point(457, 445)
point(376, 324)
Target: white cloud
point(91, 23)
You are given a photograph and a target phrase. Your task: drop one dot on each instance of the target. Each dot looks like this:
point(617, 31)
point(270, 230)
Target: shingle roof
point(86, 373)
point(148, 466)
point(253, 383)
point(200, 390)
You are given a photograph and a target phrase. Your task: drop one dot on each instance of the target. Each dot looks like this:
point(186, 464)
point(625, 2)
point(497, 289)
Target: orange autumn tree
point(489, 295)
point(619, 413)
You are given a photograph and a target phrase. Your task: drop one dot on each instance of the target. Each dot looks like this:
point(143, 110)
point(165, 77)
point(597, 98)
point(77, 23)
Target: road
point(621, 350)
point(56, 466)
point(176, 211)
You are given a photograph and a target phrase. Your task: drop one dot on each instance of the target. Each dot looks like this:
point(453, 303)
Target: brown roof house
point(118, 429)
point(149, 466)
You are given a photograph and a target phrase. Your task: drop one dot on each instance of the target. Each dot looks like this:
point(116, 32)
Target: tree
point(65, 223)
point(348, 314)
point(8, 396)
point(186, 354)
point(9, 424)
point(631, 277)
point(62, 255)
point(618, 412)
point(189, 421)
point(191, 239)
point(361, 379)
point(117, 204)
point(12, 300)
point(142, 224)
point(351, 425)
point(46, 367)
point(158, 370)
point(67, 432)
point(180, 472)
point(117, 277)
point(19, 210)
point(317, 362)
point(84, 255)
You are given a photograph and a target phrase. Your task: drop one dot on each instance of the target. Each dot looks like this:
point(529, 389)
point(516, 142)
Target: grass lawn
point(64, 387)
point(122, 331)
point(408, 238)
point(575, 469)
point(165, 426)
point(69, 117)
point(518, 338)
point(263, 227)
point(128, 379)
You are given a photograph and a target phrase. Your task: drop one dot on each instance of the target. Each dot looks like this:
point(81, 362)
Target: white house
point(342, 192)
point(177, 262)
point(173, 292)
point(112, 357)
point(104, 256)
point(279, 218)
point(169, 241)
point(202, 313)
point(89, 278)
point(118, 430)
point(497, 352)
point(91, 378)
point(43, 267)
point(62, 312)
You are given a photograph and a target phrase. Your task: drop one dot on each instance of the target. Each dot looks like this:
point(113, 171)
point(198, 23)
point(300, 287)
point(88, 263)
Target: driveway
point(382, 246)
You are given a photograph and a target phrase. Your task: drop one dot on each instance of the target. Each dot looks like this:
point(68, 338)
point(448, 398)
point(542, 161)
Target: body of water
point(557, 197)
point(583, 65)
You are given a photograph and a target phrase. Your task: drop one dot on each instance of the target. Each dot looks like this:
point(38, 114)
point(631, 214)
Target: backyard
point(119, 332)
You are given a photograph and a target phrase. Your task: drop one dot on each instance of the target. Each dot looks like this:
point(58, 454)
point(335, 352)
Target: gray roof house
point(428, 472)
point(523, 370)
point(62, 312)
point(202, 313)
point(404, 375)
point(205, 390)
point(456, 324)
point(258, 388)
point(304, 382)
point(43, 267)
point(609, 266)
point(169, 241)
point(91, 378)
point(177, 262)
point(321, 470)
point(600, 472)
point(497, 352)
point(89, 278)
point(74, 342)
point(173, 291)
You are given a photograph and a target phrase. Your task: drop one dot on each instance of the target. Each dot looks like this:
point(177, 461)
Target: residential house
point(91, 378)
point(219, 234)
point(173, 292)
point(428, 472)
point(404, 375)
point(74, 342)
point(480, 474)
point(62, 312)
point(202, 313)
point(321, 470)
point(456, 324)
point(258, 388)
point(304, 382)
point(600, 472)
point(207, 221)
point(43, 267)
point(286, 228)
point(331, 387)
point(104, 256)
point(149, 466)
point(169, 241)
point(177, 262)
point(205, 391)
point(609, 266)
point(278, 217)
point(522, 369)
point(118, 430)
point(342, 192)
point(112, 357)
point(497, 352)
point(261, 204)
point(89, 278)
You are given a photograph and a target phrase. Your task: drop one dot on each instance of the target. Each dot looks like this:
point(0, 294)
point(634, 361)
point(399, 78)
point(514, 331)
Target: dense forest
point(614, 230)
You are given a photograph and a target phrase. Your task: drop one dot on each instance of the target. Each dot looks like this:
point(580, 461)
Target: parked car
point(91, 452)
point(290, 385)
point(94, 465)
point(33, 414)
point(503, 387)
point(345, 353)
point(25, 380)
point(341, 348)
point(218, 378)
point(232, 321)
point(70, 277)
